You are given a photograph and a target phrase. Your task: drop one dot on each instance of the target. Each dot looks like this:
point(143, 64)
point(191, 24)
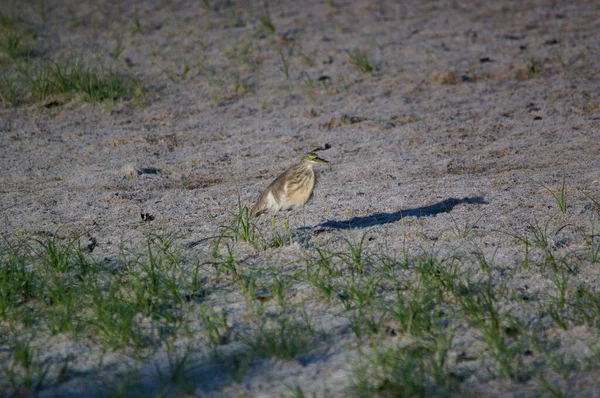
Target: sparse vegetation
point(560, 196)
point(385, 298)
point(15, 46)
point(15, 37)
point(8, 91)
point(532, 67)
point(28, 77)
point(79, 78)
point(266, 20)
point(284, 66)
point(361, 61)
point(67, 81)
point(149, 296)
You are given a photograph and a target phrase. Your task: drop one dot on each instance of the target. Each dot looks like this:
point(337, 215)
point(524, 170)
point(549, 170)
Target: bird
point(293, 188)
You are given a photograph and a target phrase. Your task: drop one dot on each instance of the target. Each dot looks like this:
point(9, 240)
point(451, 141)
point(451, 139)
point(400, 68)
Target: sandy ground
point(474, 109)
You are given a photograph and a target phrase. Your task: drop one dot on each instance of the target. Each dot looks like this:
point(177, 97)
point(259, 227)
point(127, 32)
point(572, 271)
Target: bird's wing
point(279, 187)
point(276, 188)
point(300, 187)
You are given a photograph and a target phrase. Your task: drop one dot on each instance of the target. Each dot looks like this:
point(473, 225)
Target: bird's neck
point(307, 164)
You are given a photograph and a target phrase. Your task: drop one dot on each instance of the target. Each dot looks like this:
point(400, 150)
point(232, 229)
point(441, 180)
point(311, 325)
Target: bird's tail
point(255, 210)
point(259, 207)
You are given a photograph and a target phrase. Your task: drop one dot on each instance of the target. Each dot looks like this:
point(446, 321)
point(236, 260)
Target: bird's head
point(313, 158)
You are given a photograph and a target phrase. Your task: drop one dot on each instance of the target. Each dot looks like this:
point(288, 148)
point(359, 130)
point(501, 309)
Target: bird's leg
point(304, 217)
point(273, 225)
point(288, 230)
point(304, 229)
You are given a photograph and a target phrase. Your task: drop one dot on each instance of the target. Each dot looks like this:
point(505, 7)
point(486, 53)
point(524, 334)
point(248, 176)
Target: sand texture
point(456, 141)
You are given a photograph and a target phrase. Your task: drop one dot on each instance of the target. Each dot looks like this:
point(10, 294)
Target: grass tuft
point(361, 61)
point(279, 337)
point(15, 37)
point(266, 20)
point(15, 46)
point(25, 371)
point(93, 83)
point(417, 370)
point(243, 228)
point(8, 91)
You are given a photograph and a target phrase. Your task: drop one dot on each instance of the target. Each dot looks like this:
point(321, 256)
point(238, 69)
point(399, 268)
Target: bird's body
point(293, 188)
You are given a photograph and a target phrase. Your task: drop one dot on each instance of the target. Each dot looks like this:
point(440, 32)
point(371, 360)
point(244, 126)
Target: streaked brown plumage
point(291, 189)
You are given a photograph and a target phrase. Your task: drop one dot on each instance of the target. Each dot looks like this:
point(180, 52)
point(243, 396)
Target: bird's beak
point(320, 160)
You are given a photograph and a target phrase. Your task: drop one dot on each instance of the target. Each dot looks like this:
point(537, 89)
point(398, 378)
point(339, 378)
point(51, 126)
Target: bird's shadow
point(444, 206)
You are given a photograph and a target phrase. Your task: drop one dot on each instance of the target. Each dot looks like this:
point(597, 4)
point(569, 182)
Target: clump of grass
point(276, 333)
point(15, 45)
point(413, 310)
point(530, 69)
point(417, 370)
point(594, 244)
point(182, 75)
point(41, 7)
point(215, 326)
point(481, 310)
point(24, 372)
point(137, 25)
point(356, 258)
point(241, 83)
point(533, 68)
point(7, 22)
point(361, 61)
point(69, 80)
point(15, 37)
point(285, 68)
point(177, 371)
point(279, 336)
point(587, 302)
point(8, 91)
point(95, 84)
point(114, 319)
point(283, 340)
point(320, 274)
point(17, 279)
point(243, 228)
point(560, 196)
point(280, 239)
point(119, 48)
point(266, 20)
